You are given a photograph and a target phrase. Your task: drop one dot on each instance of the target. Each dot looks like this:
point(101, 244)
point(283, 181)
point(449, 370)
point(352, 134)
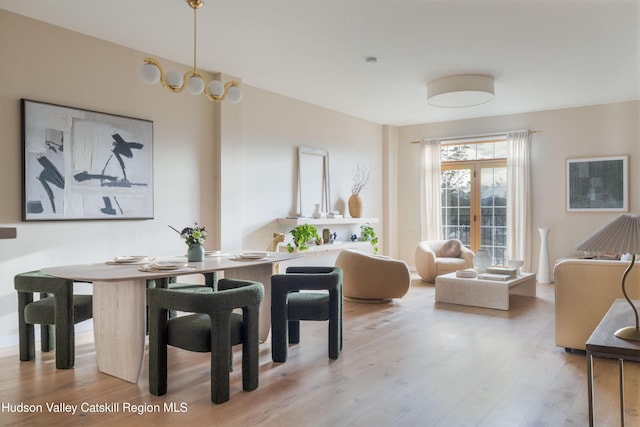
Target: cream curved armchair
point(433, 258)
point(369, 278)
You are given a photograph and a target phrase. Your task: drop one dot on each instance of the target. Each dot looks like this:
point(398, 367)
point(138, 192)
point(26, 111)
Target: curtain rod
point(484, 135)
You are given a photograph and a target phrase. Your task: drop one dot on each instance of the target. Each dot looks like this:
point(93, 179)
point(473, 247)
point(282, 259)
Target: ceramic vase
point(481, 260)
point(543, 262)
point(355, 206)
point(195, 253)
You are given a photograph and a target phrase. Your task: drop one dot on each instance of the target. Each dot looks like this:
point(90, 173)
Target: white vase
point(543, 262)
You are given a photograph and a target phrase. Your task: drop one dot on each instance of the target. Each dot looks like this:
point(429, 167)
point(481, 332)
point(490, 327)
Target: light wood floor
point(408, 363)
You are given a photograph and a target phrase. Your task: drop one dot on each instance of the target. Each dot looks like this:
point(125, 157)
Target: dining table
point(119, 298)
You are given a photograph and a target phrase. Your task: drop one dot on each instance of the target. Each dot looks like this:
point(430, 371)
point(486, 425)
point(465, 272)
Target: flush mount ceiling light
point(460, 91)
point(152, 73)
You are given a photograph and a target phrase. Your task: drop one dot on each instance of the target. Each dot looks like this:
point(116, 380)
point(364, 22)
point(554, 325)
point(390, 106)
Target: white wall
point(601, 130)
point(228, 167)
point(273, 127)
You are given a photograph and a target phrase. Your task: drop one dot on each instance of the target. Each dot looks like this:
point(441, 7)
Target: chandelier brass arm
point(152, 73)
point(219, 95)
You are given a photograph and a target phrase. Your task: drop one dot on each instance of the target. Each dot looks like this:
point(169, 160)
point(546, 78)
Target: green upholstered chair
point(57, 309)
point(289, 306)
point(210, 280)
point(212, 327)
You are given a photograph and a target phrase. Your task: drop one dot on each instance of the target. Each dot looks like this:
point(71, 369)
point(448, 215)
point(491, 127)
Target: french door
point(474, 205)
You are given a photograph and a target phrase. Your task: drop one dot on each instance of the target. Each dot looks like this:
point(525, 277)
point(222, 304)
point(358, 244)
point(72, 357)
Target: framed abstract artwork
point(597, 184)
point(81, 164)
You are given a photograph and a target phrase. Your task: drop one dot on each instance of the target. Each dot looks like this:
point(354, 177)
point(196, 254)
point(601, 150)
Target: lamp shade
point(234, 94)
point(195, 85)
point(460, 91)
point(174, 79)
point(216, 88)
point(150, 73)
point(620, 236)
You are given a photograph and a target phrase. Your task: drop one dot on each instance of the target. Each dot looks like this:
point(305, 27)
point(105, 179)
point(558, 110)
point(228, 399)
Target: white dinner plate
point(214, 253)
point(128, 259)
point(167, 265)
point(252, 255)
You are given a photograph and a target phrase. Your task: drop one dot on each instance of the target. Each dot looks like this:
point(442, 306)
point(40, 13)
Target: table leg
point(590, 387)
point(526, 288)
point(119, 327)
point(621, 370)
point(260, 273)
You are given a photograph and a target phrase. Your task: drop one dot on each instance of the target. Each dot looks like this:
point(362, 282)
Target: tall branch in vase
point(360, 180)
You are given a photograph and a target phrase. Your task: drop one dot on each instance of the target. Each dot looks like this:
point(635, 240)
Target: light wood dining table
point(119, 302)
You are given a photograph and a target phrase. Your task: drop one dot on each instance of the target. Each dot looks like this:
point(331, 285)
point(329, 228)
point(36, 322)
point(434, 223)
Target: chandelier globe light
point(152, 73)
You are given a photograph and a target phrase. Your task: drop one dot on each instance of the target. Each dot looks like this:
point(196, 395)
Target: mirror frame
point(306, 177)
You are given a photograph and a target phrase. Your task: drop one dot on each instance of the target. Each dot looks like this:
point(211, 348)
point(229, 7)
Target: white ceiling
point(543, 54)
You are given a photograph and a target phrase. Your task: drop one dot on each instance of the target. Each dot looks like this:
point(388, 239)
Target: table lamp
point(620, 236)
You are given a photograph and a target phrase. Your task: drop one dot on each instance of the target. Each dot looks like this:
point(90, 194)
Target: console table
point(603, 343)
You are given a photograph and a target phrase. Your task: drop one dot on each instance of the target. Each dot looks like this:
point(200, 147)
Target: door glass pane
point(493, 212)
point(456, 205)
point(451, 153)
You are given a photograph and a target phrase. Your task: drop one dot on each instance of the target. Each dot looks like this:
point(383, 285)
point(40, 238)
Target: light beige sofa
point(369, 278)
point(585, 289)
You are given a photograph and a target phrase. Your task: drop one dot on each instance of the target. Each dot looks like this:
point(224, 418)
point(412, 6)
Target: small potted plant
point(369, 235)
point(302, 235)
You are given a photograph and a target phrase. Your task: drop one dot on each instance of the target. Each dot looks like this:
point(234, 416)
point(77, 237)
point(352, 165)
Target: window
point(474, 194)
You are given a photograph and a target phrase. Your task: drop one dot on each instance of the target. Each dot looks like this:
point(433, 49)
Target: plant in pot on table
point(302, 235)
point(194, 238)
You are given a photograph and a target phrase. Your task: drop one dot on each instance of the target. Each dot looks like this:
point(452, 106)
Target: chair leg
point(294, 331)
point(158, 352)
point(47, 333)
point(335, 325)
point(279, 329)
point(334, 338)
point(250, 349)
point(65, 330)
point(220, 349)
point(25, 330)
point(47, 338)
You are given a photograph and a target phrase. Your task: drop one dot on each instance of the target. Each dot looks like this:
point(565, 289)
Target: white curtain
point(519, 198)
point(430, 206)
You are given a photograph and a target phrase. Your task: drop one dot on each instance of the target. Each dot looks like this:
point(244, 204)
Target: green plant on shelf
point(302, 235)
point(369, 235)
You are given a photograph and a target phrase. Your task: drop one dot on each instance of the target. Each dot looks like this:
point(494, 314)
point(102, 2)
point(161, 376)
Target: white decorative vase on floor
point(543, 262)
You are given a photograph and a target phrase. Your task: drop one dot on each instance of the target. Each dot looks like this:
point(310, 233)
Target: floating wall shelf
point(326, 221)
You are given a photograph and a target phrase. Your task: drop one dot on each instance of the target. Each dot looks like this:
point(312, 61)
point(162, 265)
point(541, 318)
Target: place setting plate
point(128, 259)
point(164, 266)
point(250, 256)
point(214, 253)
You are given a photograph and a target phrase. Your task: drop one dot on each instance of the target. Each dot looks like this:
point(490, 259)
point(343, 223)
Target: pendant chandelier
point(152, 73)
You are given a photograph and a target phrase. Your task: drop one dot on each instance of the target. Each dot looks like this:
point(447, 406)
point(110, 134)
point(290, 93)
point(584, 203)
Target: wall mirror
point(313, 181)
